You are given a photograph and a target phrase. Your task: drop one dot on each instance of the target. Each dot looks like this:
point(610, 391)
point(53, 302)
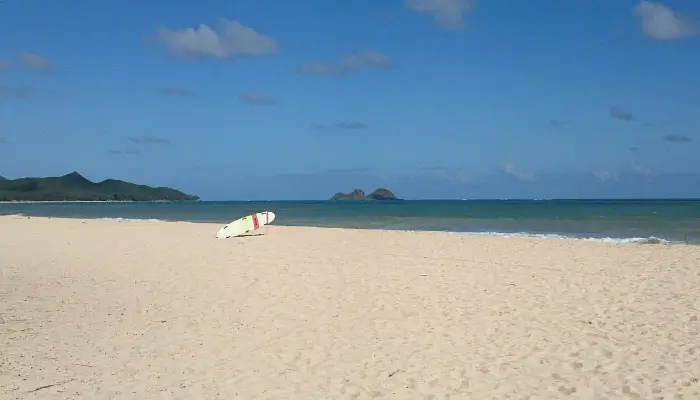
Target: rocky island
point(75, 187)
point(358, 194)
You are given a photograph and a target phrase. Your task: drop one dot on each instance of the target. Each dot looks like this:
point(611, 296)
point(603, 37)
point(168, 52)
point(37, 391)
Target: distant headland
point(75, 187)
point(358, 194)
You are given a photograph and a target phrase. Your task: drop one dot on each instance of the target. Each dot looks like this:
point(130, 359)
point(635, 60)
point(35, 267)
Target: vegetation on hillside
point(75, 187)
point(358, 194)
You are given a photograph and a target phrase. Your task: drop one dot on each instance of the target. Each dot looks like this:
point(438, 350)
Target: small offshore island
point(75, 187)
point(358, 194)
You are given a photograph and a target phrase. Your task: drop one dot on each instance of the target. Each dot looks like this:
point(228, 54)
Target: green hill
point(75, 187)
point(358, 194)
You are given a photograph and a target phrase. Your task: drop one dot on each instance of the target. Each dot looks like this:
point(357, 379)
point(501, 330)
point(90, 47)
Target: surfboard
point(249, 223)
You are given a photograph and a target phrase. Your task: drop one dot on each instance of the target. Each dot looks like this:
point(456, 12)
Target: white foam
point(638, 240)
point(15, 216)
point(635, 240)
point(120, 219)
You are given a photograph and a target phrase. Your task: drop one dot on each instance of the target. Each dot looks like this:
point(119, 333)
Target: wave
point(634, 240)
point(637, 240)
point(120, 219)
point(15, 216)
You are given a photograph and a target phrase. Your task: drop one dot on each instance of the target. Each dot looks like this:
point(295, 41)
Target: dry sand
point(96, 309)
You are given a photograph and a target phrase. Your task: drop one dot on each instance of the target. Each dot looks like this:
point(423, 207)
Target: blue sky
point(288, 100)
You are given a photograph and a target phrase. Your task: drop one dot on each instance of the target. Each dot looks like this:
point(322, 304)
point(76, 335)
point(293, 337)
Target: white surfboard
point(249, 223)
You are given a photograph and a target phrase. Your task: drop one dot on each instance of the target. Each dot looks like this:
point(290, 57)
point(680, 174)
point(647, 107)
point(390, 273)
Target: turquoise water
point(627, 220)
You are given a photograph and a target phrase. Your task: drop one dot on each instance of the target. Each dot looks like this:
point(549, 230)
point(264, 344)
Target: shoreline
point(94, 201)
point(66, 201)
point(651, 240)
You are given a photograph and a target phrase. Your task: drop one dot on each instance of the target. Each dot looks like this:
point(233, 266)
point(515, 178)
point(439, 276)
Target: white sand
point(141, 310)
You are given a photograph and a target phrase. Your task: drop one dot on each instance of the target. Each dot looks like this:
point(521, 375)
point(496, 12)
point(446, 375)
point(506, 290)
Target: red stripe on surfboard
point(256, 224)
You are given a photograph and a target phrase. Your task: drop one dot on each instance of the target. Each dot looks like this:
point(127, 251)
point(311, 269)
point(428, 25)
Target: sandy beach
point(104, 309)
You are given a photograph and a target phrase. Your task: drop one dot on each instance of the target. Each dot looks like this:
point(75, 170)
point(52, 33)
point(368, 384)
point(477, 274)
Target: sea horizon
point(367, 200)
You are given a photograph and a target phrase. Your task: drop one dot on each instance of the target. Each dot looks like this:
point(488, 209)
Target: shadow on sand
point(249, 235)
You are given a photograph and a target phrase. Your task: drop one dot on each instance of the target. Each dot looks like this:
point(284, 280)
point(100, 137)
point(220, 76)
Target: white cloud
point(170, 91)
point(256, 99)
point(229, 39)
point(447, 13)
point(605, 176)
point(661, 23)
point(34, 62)
point(457, 176)
point(341, 125)
point(365, 60)
point(639, 169)
point(149, 139)
point(519, 175)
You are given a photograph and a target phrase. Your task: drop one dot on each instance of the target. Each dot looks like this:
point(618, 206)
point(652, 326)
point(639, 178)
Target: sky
point(264, 99)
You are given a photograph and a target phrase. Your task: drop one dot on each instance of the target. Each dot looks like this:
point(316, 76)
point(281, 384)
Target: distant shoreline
point(94, 201)
point(75, 187)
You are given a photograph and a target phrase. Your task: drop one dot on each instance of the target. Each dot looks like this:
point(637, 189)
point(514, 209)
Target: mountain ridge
point(75, 187)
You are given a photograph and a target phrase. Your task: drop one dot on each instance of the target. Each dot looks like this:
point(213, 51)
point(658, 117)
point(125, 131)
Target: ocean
point(643, 221)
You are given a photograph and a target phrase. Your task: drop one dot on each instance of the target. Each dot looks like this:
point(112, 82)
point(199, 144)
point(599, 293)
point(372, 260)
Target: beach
point(107, 309)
